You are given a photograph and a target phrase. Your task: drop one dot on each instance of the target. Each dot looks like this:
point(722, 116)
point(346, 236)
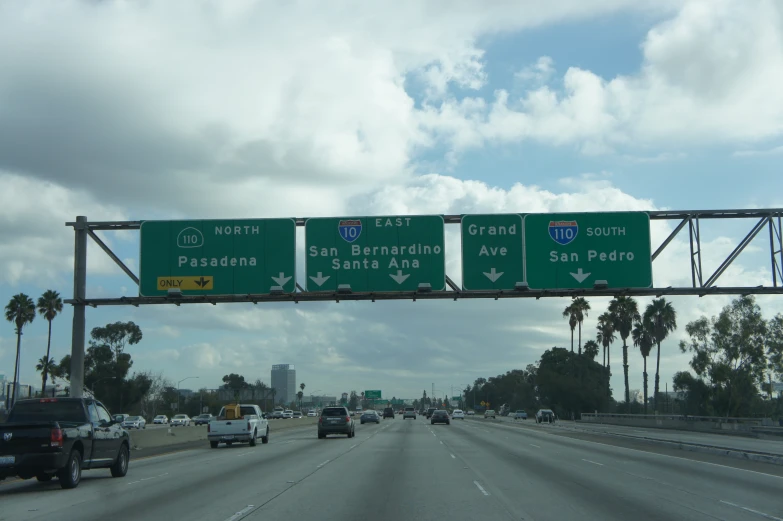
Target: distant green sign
point(220, 257)
point(574, 250)
point(372, 395)
point(456, 398)
point(394, 253)
point(491, 251)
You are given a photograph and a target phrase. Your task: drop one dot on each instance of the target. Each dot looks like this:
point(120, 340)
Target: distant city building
point(186, 393)
point(318, 401)
point(284, 382)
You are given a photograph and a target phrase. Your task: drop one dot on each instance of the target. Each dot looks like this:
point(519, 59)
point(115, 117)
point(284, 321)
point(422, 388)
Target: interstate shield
point(350, 229)
point(563, 232)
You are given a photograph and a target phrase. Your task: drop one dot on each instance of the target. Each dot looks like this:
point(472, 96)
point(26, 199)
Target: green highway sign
point(219, 257)
point(372, 395)
point(394, 253)
point(574, 250)
point(456, 398)
point(492, 251)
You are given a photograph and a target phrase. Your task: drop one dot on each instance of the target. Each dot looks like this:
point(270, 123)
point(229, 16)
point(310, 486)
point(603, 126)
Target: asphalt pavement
point(412, 470)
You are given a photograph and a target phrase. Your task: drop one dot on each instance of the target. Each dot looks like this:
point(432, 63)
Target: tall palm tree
point(591, 349)
point(624, 311)
point(605, 335)
point(643, 340)
point(570, 313)
point(45, 365)
point(582, 307)
point(299, 395)
point(49, 306)
point(21, 311)
point(662, 319)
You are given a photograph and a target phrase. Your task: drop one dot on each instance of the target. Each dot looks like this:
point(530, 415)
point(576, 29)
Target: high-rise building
point(284, 382)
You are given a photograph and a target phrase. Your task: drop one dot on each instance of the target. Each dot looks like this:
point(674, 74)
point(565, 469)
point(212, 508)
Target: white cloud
point(538, 73)
point(764, 152)
point(710, 75)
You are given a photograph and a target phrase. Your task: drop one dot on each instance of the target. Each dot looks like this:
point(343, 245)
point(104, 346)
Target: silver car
point(134, 422)
point(182, 420)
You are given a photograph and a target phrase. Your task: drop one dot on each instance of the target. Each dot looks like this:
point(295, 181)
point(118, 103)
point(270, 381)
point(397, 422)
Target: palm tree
point(45, 365)
point(49, 305)
point(643, 339)
point(582, 307)
point(591, 349)
point(570, 313)
point(662, 319)
point(299, 395)
point(624, 311)
point(605, 335)
point(21, 311)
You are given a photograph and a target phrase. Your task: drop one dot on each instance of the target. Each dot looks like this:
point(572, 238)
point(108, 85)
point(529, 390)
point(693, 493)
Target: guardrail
point(753, 427)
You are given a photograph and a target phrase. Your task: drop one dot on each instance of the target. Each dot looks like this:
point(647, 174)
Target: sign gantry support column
point(79, 294)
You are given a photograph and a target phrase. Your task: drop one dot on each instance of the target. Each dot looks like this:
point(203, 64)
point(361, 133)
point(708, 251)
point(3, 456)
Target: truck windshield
point(39, 411)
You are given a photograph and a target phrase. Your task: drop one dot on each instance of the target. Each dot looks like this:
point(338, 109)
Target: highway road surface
point(411, 470)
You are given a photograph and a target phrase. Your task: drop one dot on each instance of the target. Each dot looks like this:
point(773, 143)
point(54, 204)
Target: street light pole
point(187, 378)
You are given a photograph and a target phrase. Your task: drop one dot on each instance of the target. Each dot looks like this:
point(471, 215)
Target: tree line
point(735, 357)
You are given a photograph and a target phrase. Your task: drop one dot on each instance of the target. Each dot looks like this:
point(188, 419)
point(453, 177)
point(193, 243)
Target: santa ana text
point(368, 252)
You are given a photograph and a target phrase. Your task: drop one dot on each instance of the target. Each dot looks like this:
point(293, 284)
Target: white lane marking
point(324, 463)
point(453, 456)
point(352, 446)
point(146, 479)
point(244, 453)
point(242, 513)
point(762, 514)
point(593, 462)
point(534, 445)
point(441, 443)
point(481, 488)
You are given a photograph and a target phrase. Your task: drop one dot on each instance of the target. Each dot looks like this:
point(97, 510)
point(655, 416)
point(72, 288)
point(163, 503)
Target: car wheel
point(321, 436)
point(229, 443)
point(265, 438)
point(362, 423)
point(448, 423)
point(213, 444)
point(253, 440)
point(71, 474)
point(43, 478)
point(120, 466)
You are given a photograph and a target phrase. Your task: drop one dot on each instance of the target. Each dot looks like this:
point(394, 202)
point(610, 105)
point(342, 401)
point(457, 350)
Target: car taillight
point(248, 425)
point(348, 418)
point(321, 419)
point(56, 438)
point(208, 430)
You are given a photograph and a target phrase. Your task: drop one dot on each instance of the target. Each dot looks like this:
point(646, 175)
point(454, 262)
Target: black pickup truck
point(49, 437)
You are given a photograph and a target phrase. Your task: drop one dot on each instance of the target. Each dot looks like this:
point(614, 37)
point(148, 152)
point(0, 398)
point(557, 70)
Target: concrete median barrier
point(160, 437)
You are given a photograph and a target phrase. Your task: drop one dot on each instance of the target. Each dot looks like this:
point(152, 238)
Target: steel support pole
point(79, 294)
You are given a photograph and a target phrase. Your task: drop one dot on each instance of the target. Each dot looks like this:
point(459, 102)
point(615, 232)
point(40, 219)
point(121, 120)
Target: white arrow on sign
point(493, 275)
point(320, 279)
point(399, 278)
point(579, 276)
point(282, 279)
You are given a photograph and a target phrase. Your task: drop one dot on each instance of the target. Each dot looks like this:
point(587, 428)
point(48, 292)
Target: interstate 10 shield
point(350, 229)
point(563, 232)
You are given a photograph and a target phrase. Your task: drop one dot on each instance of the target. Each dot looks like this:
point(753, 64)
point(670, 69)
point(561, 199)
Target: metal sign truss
point(701, 284)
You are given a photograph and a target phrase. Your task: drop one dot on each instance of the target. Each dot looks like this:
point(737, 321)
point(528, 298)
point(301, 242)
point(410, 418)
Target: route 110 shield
point(563, 232)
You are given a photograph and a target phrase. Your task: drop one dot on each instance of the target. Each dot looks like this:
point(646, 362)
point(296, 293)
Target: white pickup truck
point(238, 423)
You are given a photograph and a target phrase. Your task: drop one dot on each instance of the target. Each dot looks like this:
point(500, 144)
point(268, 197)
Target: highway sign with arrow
point(394, 253)
point(217, 257)
point(491, 251)
point(574, 250)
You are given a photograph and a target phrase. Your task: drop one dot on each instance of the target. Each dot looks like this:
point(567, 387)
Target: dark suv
point(335, 420)
point(388, 412)
point(430, 411)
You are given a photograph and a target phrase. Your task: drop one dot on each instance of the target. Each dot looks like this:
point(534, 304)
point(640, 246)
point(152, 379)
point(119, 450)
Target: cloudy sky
point(188, 110)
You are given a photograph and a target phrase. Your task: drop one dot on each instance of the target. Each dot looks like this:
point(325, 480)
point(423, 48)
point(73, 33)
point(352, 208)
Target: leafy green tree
point(353, 401)
point(20, 311)
point(662, 319)
point(49, 306)
point(696, 395)
point(591, 349)
point(729, 354)
point(116, 336)
point(299, 395)
point(643, 339)
point(624, 311)
point(569, 383)
point(570, 313)
point(235, 381)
